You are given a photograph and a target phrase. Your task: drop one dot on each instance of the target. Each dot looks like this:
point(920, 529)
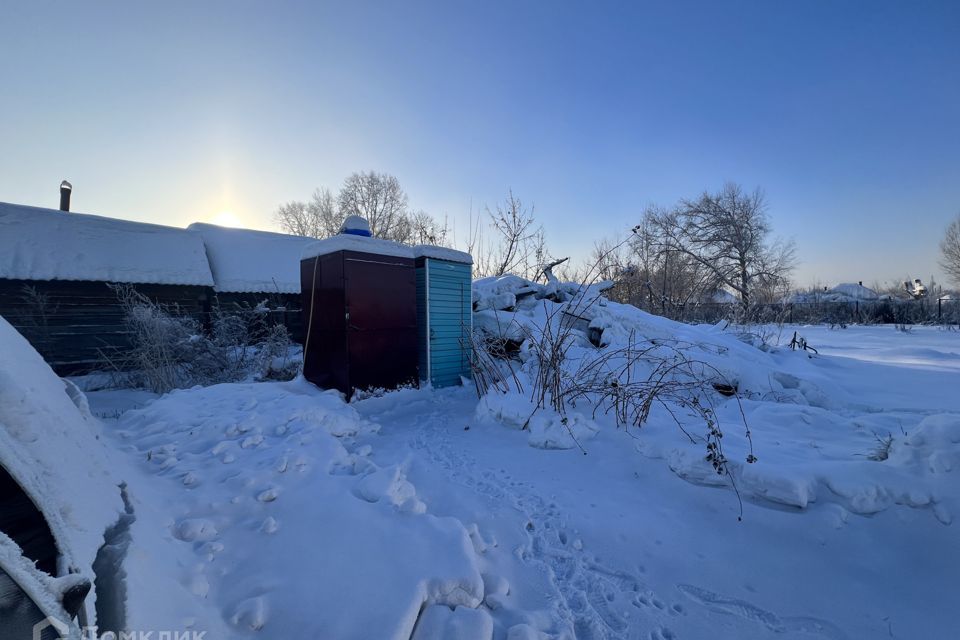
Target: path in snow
point(590, 599)
point(626, 542)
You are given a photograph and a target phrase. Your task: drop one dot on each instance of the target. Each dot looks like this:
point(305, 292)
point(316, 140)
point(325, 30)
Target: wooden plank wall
point(70, 322)
point(285, 308)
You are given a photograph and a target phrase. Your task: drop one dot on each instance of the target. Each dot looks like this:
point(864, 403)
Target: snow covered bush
point(577, 348)
point(581, 356)
point(163, 342)
point(252, 343)
point(169, 349)
point(276, 359)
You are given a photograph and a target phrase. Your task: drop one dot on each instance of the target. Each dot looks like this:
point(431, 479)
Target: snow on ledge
point(441, 253)
point(249, 261)
point(346, 242)
point(48, 244)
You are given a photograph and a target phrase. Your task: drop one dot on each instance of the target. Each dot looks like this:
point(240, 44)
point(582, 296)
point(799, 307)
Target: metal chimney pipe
point(65, 189)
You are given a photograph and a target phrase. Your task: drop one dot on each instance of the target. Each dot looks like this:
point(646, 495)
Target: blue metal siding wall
point(450, 307)
point(421, 278)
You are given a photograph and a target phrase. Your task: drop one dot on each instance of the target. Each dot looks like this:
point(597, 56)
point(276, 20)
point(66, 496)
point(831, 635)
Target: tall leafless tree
point(293, 218)
point(728, 233)
point(380, 199)
point(315, 219)
point(648, 274)
point(950, 251)
point(323, 209)
point(374, 196)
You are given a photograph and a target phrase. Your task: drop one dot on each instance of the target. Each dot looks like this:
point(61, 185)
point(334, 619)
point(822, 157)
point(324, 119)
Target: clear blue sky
point(846, 113)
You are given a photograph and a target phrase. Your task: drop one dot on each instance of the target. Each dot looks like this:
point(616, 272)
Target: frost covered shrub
point(236, 332)
point(578, 350)
point(274, 359)
point(169, 349)
point(165, 345)
point(253, 343)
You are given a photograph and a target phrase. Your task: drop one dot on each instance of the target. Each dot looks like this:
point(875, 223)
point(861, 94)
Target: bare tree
point(292, 217)
point(513, 225)
point(425, 229)
point(315, 219)
point(728, 233)
point(379, 198)
point(950, 251)
point(323, 210)
point(519, 247)
point(648, 274)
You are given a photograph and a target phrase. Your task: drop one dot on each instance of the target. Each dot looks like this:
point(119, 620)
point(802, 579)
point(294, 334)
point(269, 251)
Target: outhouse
point(444, 314)
point(359, 311)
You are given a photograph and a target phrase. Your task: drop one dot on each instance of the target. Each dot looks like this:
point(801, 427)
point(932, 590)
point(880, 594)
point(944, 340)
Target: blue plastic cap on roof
point(358, 232)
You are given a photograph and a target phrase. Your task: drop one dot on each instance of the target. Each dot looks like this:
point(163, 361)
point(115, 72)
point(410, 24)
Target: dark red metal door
point(381, 313)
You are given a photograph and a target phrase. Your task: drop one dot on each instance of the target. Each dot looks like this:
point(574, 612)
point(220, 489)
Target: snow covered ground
point(276, 510)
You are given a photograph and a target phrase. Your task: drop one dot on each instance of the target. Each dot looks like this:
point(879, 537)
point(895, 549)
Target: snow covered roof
point(348, 242)
point(441, 253)
point(48, 244)
point(247, 261)
point(855, 291)
point(844, 292)
point(722, 296)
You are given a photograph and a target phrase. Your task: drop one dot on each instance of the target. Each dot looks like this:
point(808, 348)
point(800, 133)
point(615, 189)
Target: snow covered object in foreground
point(49, 451)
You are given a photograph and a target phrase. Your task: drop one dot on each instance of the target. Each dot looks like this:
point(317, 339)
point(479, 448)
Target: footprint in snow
point(211, 549)
point(250, 614)
point(591, 598)
point(663, 633)
point(195, 529)
point(749, 611)
point(251, 441)
point(269, 526)
point(269, 495)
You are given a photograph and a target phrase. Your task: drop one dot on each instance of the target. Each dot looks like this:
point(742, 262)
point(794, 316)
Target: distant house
point(843, 292)
point(55, 267)
point(722, 296)
point(853, 291)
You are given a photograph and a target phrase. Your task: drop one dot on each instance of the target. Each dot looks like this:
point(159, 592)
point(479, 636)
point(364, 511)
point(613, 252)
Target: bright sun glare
point(227, 219)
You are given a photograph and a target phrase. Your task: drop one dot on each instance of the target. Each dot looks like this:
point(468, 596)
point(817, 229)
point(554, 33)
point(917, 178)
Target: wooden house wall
point(285, 308)
point(80, 319)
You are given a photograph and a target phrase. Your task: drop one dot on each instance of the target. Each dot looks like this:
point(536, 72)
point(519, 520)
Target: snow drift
point(276, 502)
point(782, 396)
